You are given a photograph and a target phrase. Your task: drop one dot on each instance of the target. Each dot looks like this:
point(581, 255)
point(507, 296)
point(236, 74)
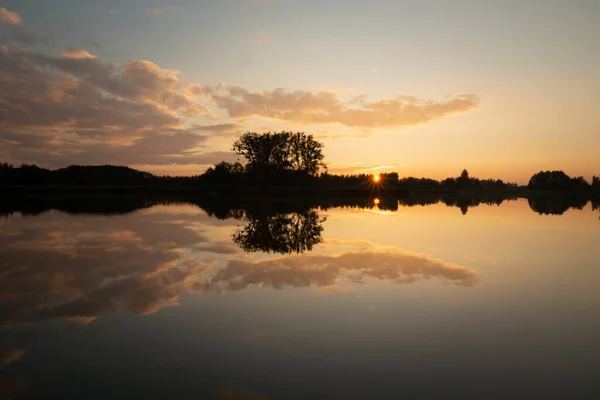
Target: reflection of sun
point(376, 201)
point(376, 178)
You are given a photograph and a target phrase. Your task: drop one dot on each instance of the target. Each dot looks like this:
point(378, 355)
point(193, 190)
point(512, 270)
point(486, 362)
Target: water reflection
point(79, 269)
point(57, 267)
point(325, 297)
point(328, 270)
point(225, 208)
point(281, 233)
point(555, 206)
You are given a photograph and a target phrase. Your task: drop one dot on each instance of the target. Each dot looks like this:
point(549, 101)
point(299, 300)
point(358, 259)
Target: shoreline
point(11, 191)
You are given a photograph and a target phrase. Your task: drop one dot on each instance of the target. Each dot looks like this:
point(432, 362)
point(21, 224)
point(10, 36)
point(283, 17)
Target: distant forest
point(280, 160)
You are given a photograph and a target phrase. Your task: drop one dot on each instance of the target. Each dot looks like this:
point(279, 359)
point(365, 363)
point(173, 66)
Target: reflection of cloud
point(77, 270)
point(325, 270)
point(9, 356)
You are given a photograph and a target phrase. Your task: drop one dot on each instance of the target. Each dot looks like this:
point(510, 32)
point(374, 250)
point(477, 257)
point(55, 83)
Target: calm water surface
point(348, 303)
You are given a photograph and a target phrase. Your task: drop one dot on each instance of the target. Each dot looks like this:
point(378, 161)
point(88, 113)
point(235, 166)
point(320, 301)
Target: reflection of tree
point(281, 233)
point(556, 206)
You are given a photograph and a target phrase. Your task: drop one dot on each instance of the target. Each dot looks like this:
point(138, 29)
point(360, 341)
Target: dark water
point(166, 301)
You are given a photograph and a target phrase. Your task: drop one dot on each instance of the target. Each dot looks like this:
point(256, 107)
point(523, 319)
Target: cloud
point(44, 91)
point(72, 52)
point(74, 107)
point(305, 107)
point(10, 17)
point(80, 109)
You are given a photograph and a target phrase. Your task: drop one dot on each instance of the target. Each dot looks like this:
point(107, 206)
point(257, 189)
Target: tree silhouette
point(557, 180)
point(281, 233)
point(280, 151)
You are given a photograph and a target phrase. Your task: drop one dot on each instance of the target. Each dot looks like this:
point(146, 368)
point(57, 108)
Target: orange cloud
point(76, 53)
point(327, 108)
point(10, 17)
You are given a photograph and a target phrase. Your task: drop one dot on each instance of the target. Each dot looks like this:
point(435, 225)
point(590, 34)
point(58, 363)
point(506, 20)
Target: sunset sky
point(425, 88)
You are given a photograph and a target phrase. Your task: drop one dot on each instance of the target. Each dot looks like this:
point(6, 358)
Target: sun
point(376, 178)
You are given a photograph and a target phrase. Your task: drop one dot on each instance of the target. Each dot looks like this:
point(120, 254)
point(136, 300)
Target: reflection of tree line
point(261, 206)
point(462, 202)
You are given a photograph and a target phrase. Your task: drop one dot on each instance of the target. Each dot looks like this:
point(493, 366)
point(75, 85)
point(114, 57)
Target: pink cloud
point(10, 17)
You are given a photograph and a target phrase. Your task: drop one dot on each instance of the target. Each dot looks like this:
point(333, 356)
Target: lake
point(424, 301)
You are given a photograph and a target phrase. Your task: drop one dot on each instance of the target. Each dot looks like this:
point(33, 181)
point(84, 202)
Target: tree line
point(281, 159)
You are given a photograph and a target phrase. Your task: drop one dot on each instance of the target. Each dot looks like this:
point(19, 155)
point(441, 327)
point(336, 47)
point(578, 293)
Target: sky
point(425, 88)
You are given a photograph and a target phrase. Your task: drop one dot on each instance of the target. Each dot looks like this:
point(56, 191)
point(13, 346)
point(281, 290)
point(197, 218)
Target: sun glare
point(376, 178)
